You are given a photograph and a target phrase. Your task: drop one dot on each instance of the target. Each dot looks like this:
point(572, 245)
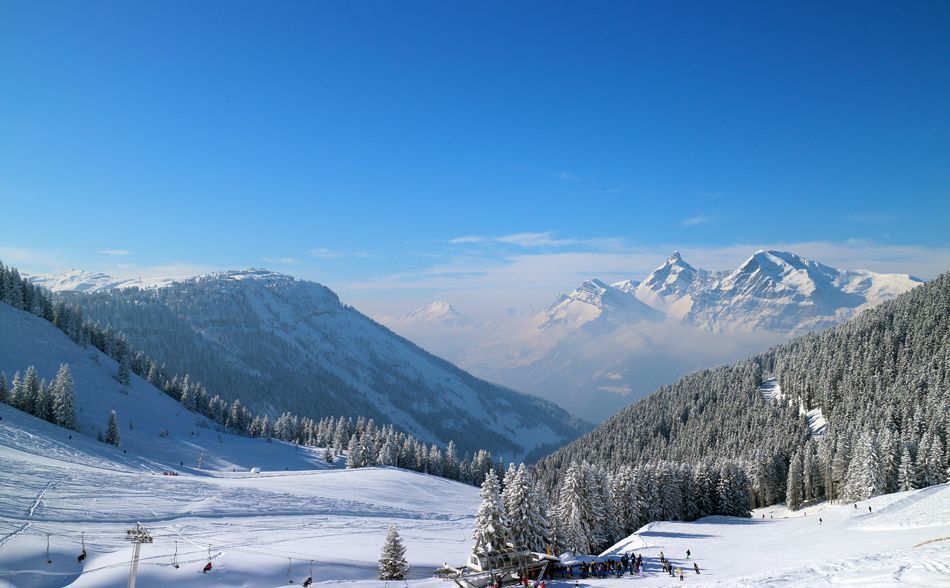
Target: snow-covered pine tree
point(28, 390)
point(733, 490)
point(574, 516)
point(4, 390)
point(811, 477)
point(392, 560)
point(525, 509)
point(794, 487)
point(64, 400)
point(435, 460)
point(112, 430)
point(936, 461)
point(906, 472)
point(491, 522)
point(41, 404)
point(387, 453)
point(451, 468)
point(328, 455)
point(354, 453)
point(866, 471)
point(123, 374)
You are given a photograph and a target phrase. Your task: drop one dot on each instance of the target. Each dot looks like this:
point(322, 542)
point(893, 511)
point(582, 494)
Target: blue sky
point(488, 153)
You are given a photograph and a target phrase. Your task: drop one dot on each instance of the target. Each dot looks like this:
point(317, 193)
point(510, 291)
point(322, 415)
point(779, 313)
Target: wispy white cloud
point(566, 176)
point(324, 253)
point(114, 252)
point(530, 240)
point(697, 220)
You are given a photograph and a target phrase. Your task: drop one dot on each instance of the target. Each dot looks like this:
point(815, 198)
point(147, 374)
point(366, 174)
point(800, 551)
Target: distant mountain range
point(281, 344)
point(601, 346)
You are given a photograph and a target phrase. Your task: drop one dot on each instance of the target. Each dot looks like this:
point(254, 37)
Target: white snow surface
point(60, 487)
point(903, 541)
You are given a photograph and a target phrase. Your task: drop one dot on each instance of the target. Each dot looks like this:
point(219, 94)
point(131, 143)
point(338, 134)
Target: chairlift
point(309, 579)
point(208, 565)
point(82, 554)
point(48, 560)
point(175, 557)
point(290, 563)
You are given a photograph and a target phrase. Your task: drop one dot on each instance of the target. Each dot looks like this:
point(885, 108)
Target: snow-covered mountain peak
point(782, 291)
point(438, 311)
point(249, 274)
point(594, 300)
point(627, 286)
point(75, 280)
point(670, 287)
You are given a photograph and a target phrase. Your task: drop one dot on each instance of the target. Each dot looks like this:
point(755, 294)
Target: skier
point(687, 554)
point(869, 508)
point(207, 568)
point(696, 567)
point(681, 574)
point(819, 520)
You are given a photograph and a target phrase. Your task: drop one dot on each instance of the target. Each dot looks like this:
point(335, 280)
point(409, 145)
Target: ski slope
point(904, 540)
point(257, 525)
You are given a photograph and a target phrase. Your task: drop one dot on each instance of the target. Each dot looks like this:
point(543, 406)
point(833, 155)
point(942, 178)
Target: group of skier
point(627, 563)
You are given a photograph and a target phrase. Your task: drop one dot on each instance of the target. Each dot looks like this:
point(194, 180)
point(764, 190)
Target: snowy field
point(259, 525)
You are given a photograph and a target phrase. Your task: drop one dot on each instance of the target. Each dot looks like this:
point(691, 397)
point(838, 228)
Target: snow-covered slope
point(143, 411)
point(903, 540)
point(255, 526)
point(273, 529)
point(284, 344)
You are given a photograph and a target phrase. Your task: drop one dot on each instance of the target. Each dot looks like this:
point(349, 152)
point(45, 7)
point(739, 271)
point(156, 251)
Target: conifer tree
point(491, 524)
point(936, 462)
point(574, 516)
point(112, 430)
point(64, 400)
point(525, 509)
point(794, 487)
point(41, 404)
point(906, 472)
point(354, 453)
point(392, 560)
point(28, 390)
point(122, 375)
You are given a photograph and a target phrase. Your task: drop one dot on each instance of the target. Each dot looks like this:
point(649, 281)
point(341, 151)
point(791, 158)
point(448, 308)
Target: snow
point(781, 548)
point(253, 523)
point(771, 390)
point(816, 422)
point(50, 485)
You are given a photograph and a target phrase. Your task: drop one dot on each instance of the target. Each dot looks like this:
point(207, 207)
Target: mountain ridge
point(281, 343)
